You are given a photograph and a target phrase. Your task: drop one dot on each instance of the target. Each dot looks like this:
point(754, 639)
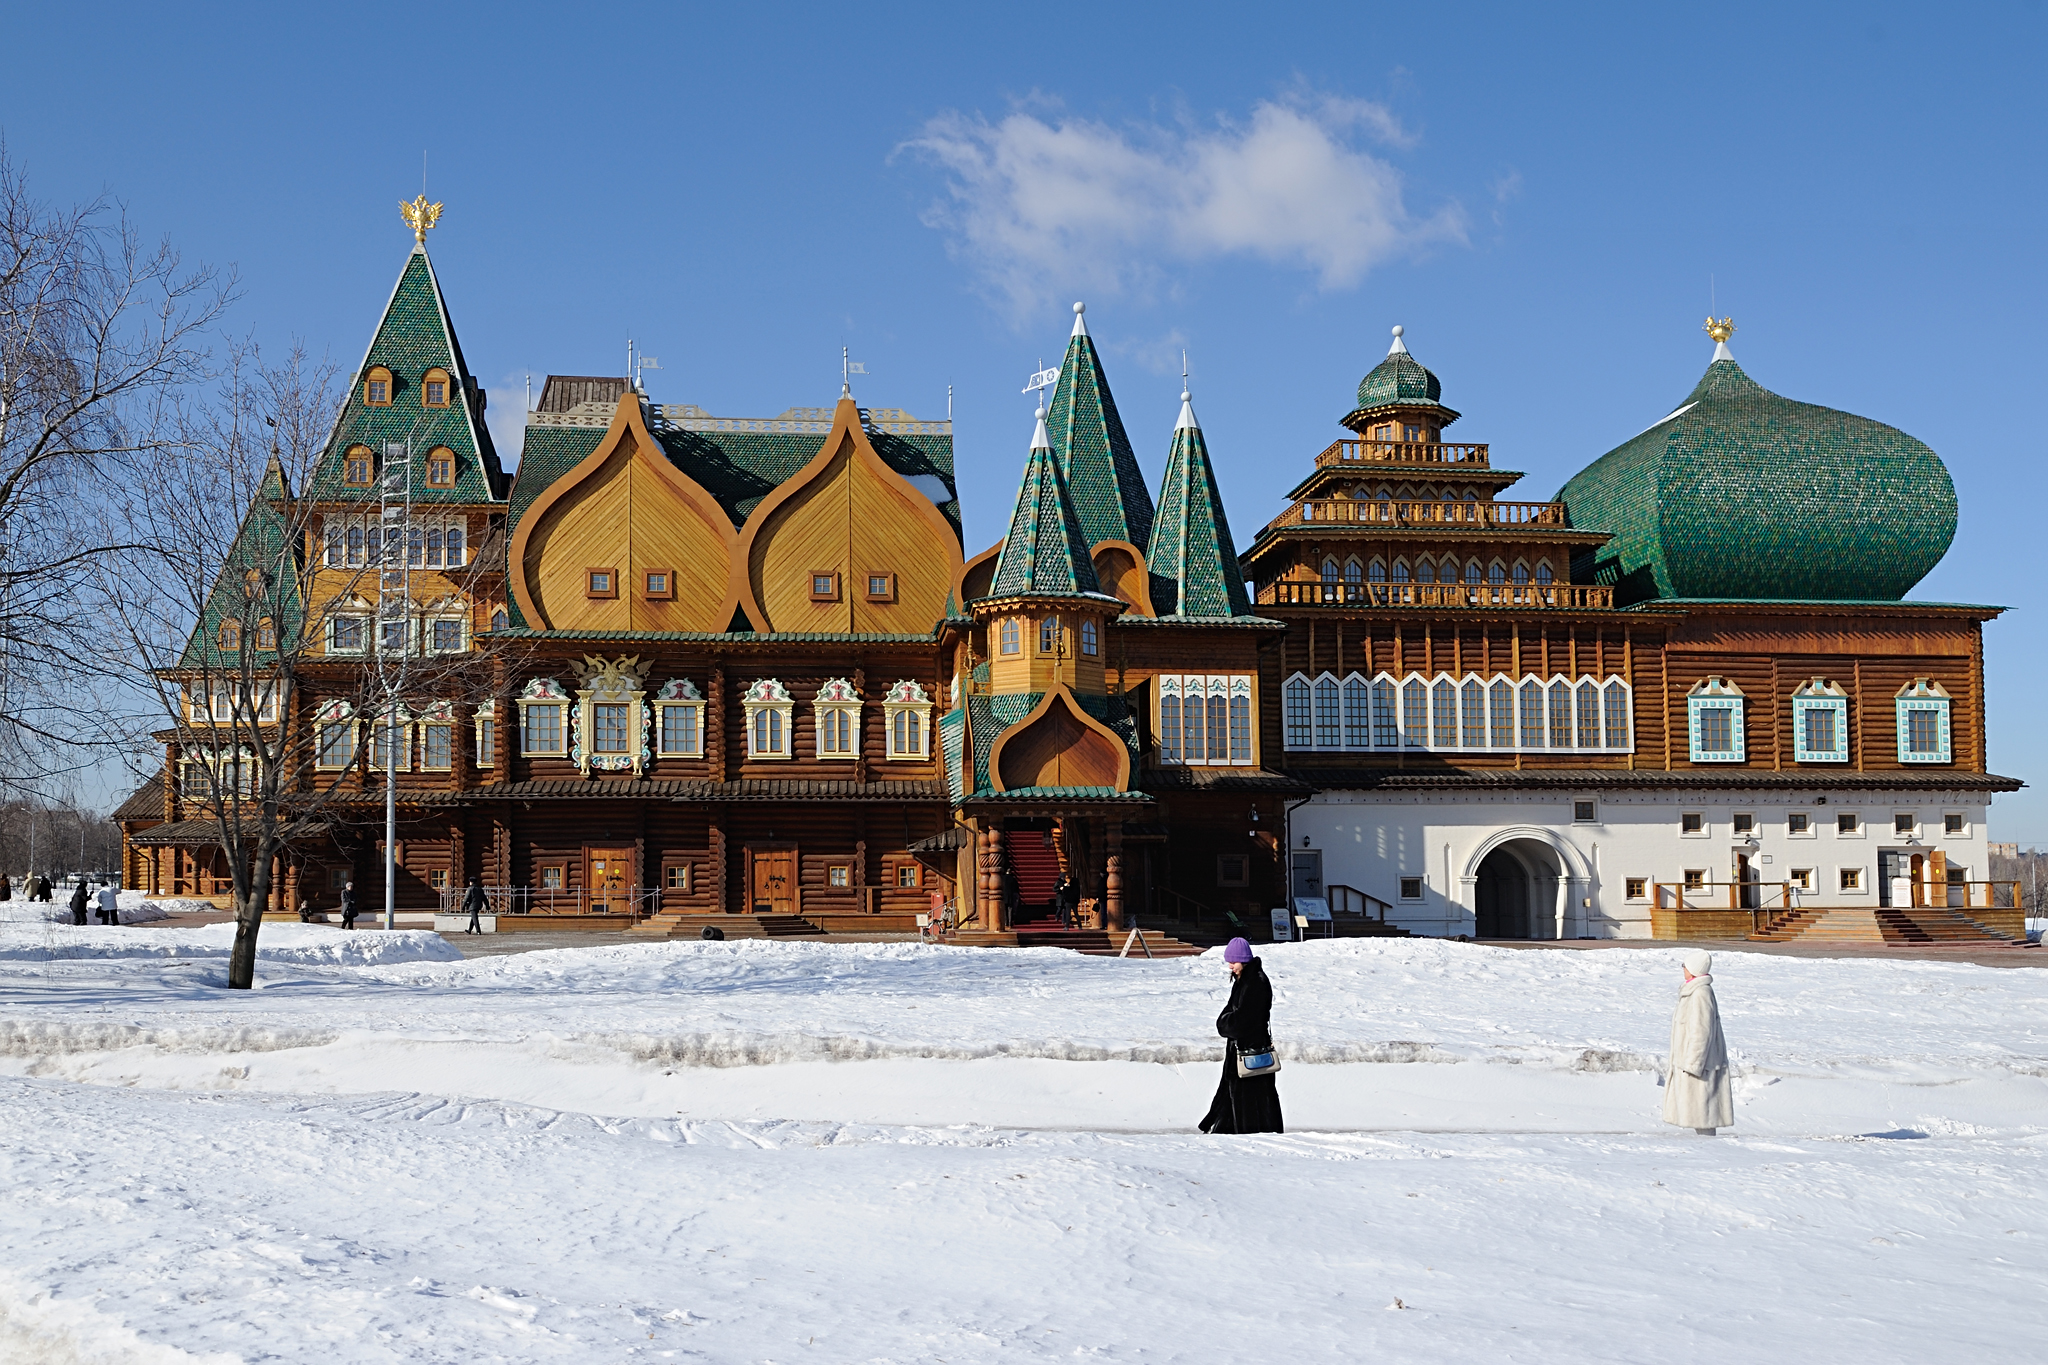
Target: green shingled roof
point(1046, 551)
point(1743, 495)
point(1401, 381)
point(1095, 455)
point(263, 543)
point(739, 468)
point(415, 335)
point(1191, 560)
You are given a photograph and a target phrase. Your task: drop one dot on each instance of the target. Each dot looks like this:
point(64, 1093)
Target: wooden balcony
point(1503, 596)
point(1344, 453)
point(1393, 512)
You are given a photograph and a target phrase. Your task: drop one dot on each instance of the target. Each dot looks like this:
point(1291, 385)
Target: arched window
point(906, 733)
point(1532, 714)
point(1329, 733)
point(1560, 715)
point(1521, 575)
point(1357, 714)
point(1193, 712)
point(1400, 571)
point(1543, 572)
point(1415, 713)
point(266, 634)
point(1474, 575)
point(1048, 634)
point(1295, 713)
point(1009, 635)
point(1617, 715)
point(1219, 726)
point(1385, 733)
point(1496, 573)
point(433, 547)
point(1443, 732)
point(1241, 720)
point(1089, 644)
point(1472, 714)
point(355, 546)
point(377, 387)
point(1331, 573)
point(230, 635)
point(1589, 715)
point(434, 388)
point(415, 547)
point(1501, 703)
point(1169, 720)
point(1378, 572)
point(1425, 572)
point(456, 558)
point(1449, 572)
point(767, 732)
point(499, 620)
point(1354, 572)
point(358, 466)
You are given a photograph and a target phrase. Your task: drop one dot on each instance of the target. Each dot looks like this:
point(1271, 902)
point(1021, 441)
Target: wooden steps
point(1102, 942)
point(1897, 926)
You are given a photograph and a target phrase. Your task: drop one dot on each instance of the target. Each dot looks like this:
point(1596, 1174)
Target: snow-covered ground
point(132, 906)
point(766, 1151)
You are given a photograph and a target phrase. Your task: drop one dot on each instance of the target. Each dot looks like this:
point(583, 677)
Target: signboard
point(1312, 907)
point(1283, 925)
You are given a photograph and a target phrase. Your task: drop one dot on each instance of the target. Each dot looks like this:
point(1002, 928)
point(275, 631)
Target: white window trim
point(768, 694)
point(1705, 831)
point(369, 623)
point(1820, 695)
point(682, 695)
point(1294, 742)
point(1862, 887)
point(440, 713)
point(1923, 695)
point(1962, 833)
point(487, 714)
point(1862, 825)
point(836, 695)
point(609, 684)
point(1231, 686)
point(402, 722)
point(1806, 833)
point(543, 692)
point(1715, 692)
point(907, 696)
point(331, 716)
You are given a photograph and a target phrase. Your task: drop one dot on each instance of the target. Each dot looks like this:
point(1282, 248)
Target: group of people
point(34, 887)
point(1698, 1093)
point(474, 904)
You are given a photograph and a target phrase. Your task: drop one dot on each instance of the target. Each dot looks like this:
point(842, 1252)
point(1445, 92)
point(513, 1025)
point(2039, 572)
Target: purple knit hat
point(1237, 950)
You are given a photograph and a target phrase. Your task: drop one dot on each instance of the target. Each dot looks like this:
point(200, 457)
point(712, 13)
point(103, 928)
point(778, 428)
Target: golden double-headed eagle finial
point(420, 216)
point(1719, 331)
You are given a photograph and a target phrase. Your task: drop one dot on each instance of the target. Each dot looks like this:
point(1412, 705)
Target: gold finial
point(1719, 331)
point(420, 216)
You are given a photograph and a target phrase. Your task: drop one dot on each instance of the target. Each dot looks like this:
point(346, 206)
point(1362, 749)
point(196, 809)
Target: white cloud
point(1046, 206)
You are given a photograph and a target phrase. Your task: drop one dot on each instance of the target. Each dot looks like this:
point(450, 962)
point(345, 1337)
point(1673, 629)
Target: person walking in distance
point(110, 904)
point(348, 905)
point(78, 899)
point(1246, 1103)
point(1697, 1092)
point(473, 901)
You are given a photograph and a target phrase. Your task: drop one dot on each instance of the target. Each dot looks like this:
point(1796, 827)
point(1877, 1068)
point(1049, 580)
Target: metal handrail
point(641, 902)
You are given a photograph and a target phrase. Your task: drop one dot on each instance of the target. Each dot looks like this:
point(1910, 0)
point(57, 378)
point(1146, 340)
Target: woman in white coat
point(1697, 1094)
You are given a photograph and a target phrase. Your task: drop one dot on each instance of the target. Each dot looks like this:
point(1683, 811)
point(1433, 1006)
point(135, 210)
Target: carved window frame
point(908, 700)
point(763, 697)
point(544, 692)
point(678, 694)
point(836, 701)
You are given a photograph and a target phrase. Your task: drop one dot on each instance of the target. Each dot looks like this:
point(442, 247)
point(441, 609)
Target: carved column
point(714, 742)
point(992, 880)
point(1113, 875)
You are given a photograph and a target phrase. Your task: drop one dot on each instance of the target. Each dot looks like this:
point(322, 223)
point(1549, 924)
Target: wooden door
point(608, 874)
point(774, 888)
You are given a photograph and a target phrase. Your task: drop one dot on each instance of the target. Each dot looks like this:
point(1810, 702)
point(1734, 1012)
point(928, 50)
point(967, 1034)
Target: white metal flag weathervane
point(1042, 379)
point(848, 368)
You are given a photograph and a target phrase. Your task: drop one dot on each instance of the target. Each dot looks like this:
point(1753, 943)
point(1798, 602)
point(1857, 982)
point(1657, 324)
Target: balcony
point(1506, 596)
point(1348, 453)
point(1392, 512)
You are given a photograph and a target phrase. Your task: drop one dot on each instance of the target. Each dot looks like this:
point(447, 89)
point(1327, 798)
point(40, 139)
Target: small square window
point(1904, 823)
point(1638, 888)
point(1692, 822)
point(551, 877)
point(1411, 888)
point(447, 637)
point(1798, 822)
point(1695, 878)
point(1233, 869)
point(659, 585)
point(441, 471)
point(1742, 822)
point(338, 878)
point(1848, 822)
point(881, 587)
point(438, 878)
point(906, 874)
point(824, 585)
point(676, 878)
point(377, 392)
point(1952, 823)
point(600, 583)
point(839, 874)
point(1852, 878)
point(1583, 812)
point(437, 393)
point(1802, 877)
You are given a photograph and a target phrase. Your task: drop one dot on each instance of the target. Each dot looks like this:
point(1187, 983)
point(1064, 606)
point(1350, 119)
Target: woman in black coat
point(1245, 1104)
point(78, 899)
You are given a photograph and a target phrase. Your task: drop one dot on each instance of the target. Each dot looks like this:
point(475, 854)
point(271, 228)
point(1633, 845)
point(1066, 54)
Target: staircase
point(1100, 942)
point(1894, 925)
point(736, 926)
point(1034, 866)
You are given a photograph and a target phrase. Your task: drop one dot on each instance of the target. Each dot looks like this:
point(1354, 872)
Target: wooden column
point(719, 856)
point(992, 880)
point(1113, 874)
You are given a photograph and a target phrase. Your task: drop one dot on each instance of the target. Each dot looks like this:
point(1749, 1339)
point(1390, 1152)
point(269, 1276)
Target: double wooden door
point(774, 881)
point(608, 873)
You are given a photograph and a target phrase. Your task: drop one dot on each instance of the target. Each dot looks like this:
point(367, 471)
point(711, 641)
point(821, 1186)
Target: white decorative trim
point(836, 697)
point(770, 707)
point(909, 700)
point(1440, 712)
point(615, 682)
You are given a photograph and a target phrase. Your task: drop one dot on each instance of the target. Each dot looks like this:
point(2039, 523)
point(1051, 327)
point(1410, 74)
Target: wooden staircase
point(1034, 867)
point(1100, 942)
point(679, 925)
point(1893, 925)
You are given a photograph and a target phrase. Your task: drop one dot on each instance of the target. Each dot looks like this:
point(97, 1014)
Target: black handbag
point(1251, 1065)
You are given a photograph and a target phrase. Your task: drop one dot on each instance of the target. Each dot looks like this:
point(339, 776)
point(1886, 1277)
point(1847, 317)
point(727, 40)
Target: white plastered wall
point(1579, 871)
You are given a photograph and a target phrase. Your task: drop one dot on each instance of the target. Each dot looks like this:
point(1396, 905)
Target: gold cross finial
point(1719, 331)
point(420, 216)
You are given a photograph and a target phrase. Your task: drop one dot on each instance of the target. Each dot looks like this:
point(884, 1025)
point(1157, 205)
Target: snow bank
point(131, 906)
point(301, 945)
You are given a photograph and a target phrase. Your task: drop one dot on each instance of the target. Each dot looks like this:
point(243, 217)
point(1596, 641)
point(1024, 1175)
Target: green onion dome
point(1399, 381)
point(1741, 494)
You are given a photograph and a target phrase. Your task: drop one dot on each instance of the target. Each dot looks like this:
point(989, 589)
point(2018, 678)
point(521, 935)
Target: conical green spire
point(415, 335)
point(1191, 560)
point(1045, 554)
point(1095, 455)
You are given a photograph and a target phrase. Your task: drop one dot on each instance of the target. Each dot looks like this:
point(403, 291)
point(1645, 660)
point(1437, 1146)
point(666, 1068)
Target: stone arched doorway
point(1515, 893)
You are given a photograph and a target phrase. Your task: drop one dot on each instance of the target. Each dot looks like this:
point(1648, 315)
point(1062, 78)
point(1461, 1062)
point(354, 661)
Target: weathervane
point(420, 216)
point(1719, 331)
point(1041, 379)
point(848, 368)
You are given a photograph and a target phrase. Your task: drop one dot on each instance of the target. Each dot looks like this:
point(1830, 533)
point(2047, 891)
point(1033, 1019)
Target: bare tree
point(255, 652)
point(96, 329)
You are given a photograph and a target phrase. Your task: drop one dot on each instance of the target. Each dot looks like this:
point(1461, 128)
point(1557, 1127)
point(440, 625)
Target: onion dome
point(1399, 382)
point(1740, 494)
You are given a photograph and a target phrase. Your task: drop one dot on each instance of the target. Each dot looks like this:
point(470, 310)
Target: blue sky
point(1543, 196)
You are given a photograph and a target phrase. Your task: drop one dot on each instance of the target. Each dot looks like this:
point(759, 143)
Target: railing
point(1965, 895)
point(1412, 512)
point(1349, 900)
point(1726, 895)
point(641, 902)
point(1186, 909)
point(1549, 596)
point(1401, 452)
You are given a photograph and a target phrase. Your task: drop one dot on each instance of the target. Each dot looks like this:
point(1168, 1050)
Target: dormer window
point(358, 467)
point(377, 387)
point(434, 389)
point(441, 467)
point(230, 635)
point(266, 634)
